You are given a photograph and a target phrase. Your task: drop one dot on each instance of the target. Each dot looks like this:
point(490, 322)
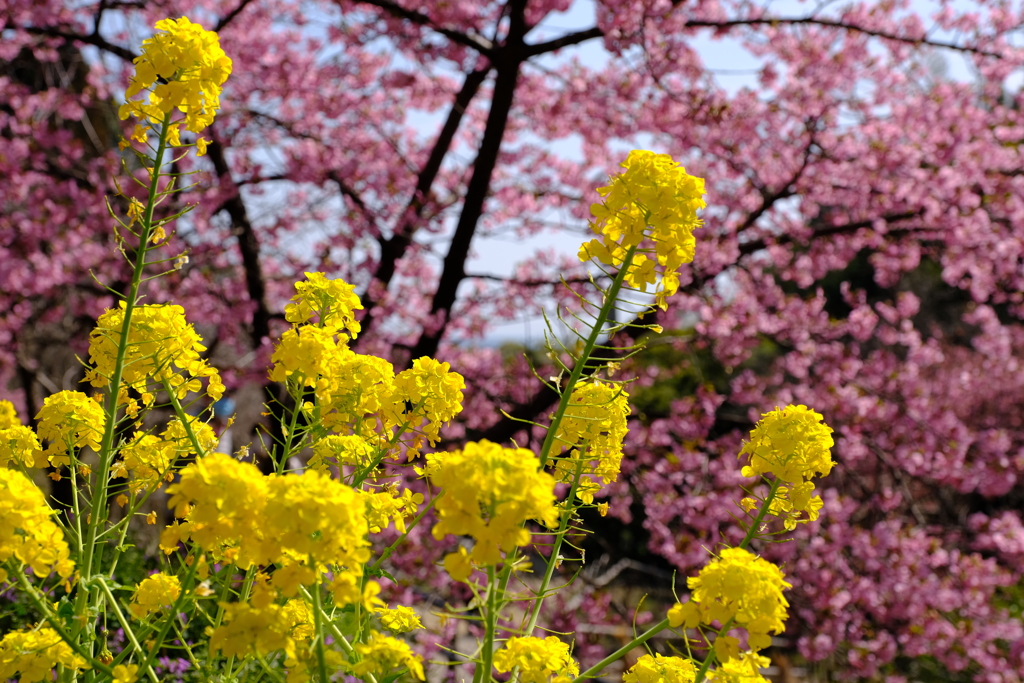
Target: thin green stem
point(577, 371)
point(57, 625)
point(318, 620)
point(416, 520)
point(125, 625)
point(623, 651)
point(752, 530)
point(483, 672)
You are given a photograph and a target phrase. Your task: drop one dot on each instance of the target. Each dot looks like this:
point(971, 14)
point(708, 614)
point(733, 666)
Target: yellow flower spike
point(182, 67)
point(31, 655)
point(8, 415)
point(27, 530)
point(540, 660)
point(69, 417)
point(153, 594)
point(659, 669)
point(594, 428)
point(382, 654)
point(401, 619)
point(652, 205)
point(490, 492)
point(19, 446)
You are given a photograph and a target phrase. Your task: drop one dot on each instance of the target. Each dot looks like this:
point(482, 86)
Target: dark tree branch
point(831, 23)
point(478, 43)
point(563, 41)
point(230, 16)
point(507, 62)
point(393, 249)
point(54, 32)
point(248, 243)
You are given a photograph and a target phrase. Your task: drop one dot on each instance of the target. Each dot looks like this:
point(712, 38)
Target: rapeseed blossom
point(490, 492)
point(147, 459)
point(793, 444)
point(428, 395)
point(740, 587)
point(355, 388)
point(744, 669)
point(401, 619)
point(333, 302)
point(181, 67)
point(153, 594)
point(32, 655)
point(20, 446)
point(540, 660)
point(27, 530)
point(659, 669)
point(339, 451)
point(160, 340)
point(263, 630)
point(8, 415)
point(653, 199)
point(69, 420)
point(594, 427)
point(383, 654)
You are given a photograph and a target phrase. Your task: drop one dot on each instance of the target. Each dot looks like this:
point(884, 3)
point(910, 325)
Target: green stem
point(318, 616)
point(577, 371)
point(56, 625)
point(752, 530)
point(483, 672)
point(622, 651)
point(125, 625)
point(711, 656)
point(556, 547)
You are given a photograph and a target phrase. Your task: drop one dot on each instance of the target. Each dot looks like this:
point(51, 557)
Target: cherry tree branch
point(478, 43)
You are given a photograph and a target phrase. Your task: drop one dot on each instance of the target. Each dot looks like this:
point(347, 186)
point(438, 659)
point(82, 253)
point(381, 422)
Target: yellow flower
point(303, 354)
point(658, 669)
point(8, 415)
point(792, 443)
point(332, 301)
point(182, 67)
point(19, 446)
point(154, 593)
point(458, 565)
point(31, 655)
point(652, 205)
point(489, 492)
point(70, 419)
point(400, 619)
point(539, 660)
point(148, 459)
point(126, 673)
point(742, 587)
point(159, 341)
point(262, 630)
point(593, 427)
point(427, 395)
point(178, 437)
point(353, 388)
point(383, 507)
point(342, 450)
point(744, 669)
point(382, 654)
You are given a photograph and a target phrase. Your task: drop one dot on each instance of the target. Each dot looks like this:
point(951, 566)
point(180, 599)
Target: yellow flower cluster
point(181, 67)
point(8, 415)
point(539, 660)
point(490, 492)
point(383, 654)
point(68, 420)
point(434, 393)
point(20, 446)
point(235, 512)
point(400, 619)
point(655, 199)
point(594, 427)
point(159, 339)
point(358, 394)
point(148, 459)
point(27, 530)
point(740, 587)
point(383, 507)
point(30, 656)
point(659, 669)
point(333, 302)
point(340, 451)
point(793, 444)
point(155, 593)
point(745, 669)
point(265, 629)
